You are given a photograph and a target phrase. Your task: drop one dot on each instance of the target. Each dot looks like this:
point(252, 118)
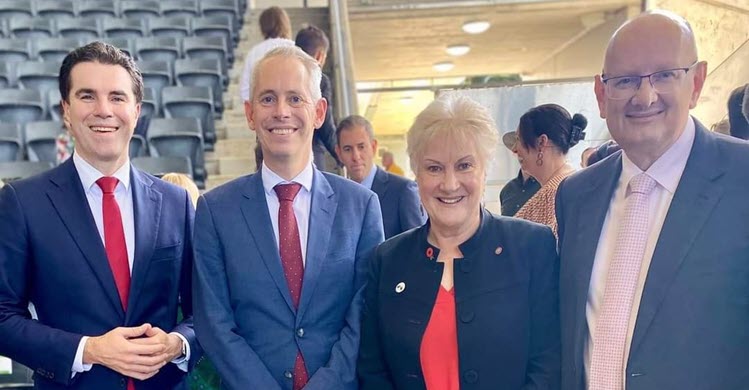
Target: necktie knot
point(107, 184)
point(641, 184)
point(287, 192)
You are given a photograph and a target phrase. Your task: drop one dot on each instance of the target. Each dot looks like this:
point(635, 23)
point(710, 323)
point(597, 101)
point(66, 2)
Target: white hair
point(310, 65)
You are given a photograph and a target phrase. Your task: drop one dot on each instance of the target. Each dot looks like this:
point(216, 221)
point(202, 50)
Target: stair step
point(236, 165)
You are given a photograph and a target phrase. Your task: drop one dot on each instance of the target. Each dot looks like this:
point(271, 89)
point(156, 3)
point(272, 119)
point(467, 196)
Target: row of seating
point(166, 137)
point(10, 9)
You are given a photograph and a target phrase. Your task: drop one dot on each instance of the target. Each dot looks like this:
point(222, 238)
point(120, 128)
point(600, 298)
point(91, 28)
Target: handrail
point(345, 83)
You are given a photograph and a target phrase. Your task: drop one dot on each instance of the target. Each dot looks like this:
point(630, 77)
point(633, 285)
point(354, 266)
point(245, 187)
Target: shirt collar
point(667, 169)
point(367, 182)
point(271, 179)
point(89, 175)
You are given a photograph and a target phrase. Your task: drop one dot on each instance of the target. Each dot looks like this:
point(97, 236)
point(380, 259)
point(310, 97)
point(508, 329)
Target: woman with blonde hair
point(185, 182)
point(469, 300)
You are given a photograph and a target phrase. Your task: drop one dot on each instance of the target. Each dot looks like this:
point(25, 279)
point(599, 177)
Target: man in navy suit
point(102, 250)
point(399, 197)
point(281, 254)
point(654, 281)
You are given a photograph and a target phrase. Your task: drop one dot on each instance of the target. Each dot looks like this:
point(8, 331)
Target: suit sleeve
point(236, 362)
point(326, 132)
point(340, 370)
point(185, 328)
point(544, 366)
point(46, 350)
point(411, 213)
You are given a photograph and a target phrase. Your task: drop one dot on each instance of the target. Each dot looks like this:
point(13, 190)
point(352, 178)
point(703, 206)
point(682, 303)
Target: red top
point(439, 347)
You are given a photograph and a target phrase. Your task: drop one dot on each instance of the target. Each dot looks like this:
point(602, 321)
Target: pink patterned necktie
point(291, 258)
point(609, 338)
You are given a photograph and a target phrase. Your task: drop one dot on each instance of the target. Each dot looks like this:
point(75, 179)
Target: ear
point(65, 108)
point(249, 114)
point(600, 90)
point(338, 150)
point(321, 108)
point(542, 141)
point(700, 74)
point(374, 147)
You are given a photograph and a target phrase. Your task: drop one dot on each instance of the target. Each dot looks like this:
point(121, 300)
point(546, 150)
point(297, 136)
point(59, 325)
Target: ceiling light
point(458, 50)
point(444, 66)
point(476, 26)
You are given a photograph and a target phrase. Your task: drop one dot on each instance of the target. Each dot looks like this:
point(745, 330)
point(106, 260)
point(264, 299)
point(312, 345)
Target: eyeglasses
point(662, 81)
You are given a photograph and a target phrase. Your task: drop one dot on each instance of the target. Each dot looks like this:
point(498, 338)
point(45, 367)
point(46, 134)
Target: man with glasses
point(654, 277)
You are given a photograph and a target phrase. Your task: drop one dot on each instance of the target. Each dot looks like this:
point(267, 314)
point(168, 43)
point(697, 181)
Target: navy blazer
point(51, 254)
point(399, 202)
point(244, 315)
point(506, 304)
point(691, 329)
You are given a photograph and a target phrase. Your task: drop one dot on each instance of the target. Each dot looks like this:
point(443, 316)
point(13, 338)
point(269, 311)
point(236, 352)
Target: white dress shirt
point(666, 171)
point(302, 202)
point(123, 194)
point(254, 55)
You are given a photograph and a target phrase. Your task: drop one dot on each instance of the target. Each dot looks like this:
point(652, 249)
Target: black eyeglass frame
point(686, 70)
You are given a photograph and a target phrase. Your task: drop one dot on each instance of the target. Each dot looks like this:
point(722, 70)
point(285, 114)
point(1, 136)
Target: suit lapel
point(255, 212)
point(69, 199)
point(379, 184)
point(147, 214)
point(322, 213)
point(696, 196)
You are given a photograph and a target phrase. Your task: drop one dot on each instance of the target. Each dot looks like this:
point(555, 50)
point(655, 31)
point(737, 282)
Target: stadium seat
point(156, 75)
point(55, 8)
point(144, 9)
point(158, 49)
point(41, 140)
point(191, 102)
point(54, 49)
point(97, 8)
point(172, 26)
point(150, 104)
point(39, 76)
point(38, 27)
point(11, 142)
point(84, 29)
point(214, 26)
point(15, 170)
point(124, 27)
point(53, 101)
point(21, 106)
point(137, 146)
point(186, 8)
point(160, 166)
point(228, 8)
point(179, 137)
point(15, 50)
point(208, 47)
point(6, 78)
point(15, 9)
point(201, 73)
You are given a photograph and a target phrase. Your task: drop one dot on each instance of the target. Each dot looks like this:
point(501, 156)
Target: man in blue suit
point(102, 250)
point(399, 197)
point(281, 254)
point(654, 282)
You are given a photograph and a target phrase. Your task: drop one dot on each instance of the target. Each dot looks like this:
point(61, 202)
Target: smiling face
point(451, 180)
point(283, 113)
point(101, 113)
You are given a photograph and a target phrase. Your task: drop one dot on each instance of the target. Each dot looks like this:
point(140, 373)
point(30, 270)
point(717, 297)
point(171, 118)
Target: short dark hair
point(555, 122)
point(350, 122)
point(275, 23)
point(312, 39)
point(604, 150)
point(102, 53)
point(739, 122)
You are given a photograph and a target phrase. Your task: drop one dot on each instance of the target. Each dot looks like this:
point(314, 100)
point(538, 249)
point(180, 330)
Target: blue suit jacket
point(52, 255)
point(691, 329)
point(399, 202)
point(245, 318)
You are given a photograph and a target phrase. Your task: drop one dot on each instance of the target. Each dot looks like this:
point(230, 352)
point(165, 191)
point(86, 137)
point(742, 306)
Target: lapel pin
point(400, 287)
point(430, 253)
point(498, 250)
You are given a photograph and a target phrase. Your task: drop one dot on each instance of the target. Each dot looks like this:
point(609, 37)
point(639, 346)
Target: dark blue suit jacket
point(52, 255)
point(244, 316)
point(692, 329)
point(399, 202)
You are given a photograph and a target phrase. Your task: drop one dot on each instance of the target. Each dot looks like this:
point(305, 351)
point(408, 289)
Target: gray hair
point(310, 65)
point(352, 121)
point(459, 117)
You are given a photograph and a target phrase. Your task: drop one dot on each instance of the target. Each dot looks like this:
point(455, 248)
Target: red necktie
point(114, 243)
point(291, 259)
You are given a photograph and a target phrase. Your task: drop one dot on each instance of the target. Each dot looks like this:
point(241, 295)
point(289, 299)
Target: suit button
point(467, 316)
point(471, 376)
point(287, 374)
point(300, 332)
point(123, 382)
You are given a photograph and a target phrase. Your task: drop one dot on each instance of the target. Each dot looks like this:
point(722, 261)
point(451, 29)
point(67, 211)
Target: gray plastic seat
point(53, 101)
point(228, 8)
point(144, 9)
point(41, 140)
point(54, 49)
point(187, 8)
point(172, 26)
point(6, 78)
point(215, 26)
point(160, 166)
point(31, 28)
point(97, 8)
point(201, 73)
point(137, 146)
point(83, 28)
point(39, 76)
point(208, 47)
point(15, 50)
point(15, 9)
point(124, 27)
point(191, 102)
point(21, 105)
point(150, 104)
point(156, 75)
point(158, 49)
point(179, 137)
point(16, 170)
point(11, 142)
point(54, 8)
